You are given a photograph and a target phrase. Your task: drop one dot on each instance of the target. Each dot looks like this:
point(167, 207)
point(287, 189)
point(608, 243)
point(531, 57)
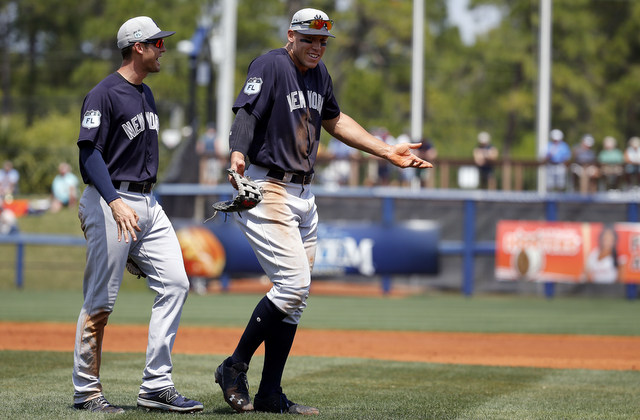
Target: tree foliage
point(53, 52)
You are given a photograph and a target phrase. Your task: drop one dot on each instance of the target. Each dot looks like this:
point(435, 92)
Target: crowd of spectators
point(9, 178)
point(340, 165)
point(611, 167)
point(587, 167)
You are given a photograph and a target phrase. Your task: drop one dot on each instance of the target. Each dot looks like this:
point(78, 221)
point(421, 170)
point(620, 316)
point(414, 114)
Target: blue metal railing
point(468, 247)
point(22, 239)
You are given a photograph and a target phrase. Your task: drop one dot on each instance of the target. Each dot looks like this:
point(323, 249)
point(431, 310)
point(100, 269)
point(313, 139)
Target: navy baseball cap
point(311, 22)
point(139, 29)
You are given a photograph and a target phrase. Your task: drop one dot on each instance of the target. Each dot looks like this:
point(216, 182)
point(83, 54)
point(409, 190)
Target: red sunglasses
point(318, 24)
point(159, 43)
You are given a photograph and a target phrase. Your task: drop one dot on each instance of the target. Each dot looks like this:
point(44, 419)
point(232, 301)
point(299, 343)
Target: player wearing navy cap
point(121, 220)
point(285, 102)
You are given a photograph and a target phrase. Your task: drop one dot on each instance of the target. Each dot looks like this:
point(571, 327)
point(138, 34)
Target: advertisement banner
point(568, 252)
point(372, 249)
point(352, 248)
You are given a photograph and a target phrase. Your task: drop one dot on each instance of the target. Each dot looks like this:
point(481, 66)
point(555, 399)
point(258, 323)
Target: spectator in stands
point(64, 188)
point(417, 177)
point(632, 162)
point(485, 156)
point(584, 169)
point(611, 160)
point(210, 162)
point(8, 220)
point(426, 151)
point(378, 172)
point(558, 154)
point(408, 177)
point(339, 169)
point(601, 265)
point(9, 178)
point(385, 170)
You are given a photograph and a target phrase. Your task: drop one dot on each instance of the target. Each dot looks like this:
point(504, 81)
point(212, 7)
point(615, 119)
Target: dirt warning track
point(526, 350)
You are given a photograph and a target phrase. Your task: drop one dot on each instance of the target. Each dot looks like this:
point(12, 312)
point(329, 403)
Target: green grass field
point(437, 312)
point(37, 384)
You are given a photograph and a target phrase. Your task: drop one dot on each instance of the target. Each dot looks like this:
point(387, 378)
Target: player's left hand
point(126, 220)
point(401, 156)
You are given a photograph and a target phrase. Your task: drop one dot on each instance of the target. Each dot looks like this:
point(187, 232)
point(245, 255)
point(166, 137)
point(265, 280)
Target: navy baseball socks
point(276, 351)
point(265, 319)
point(265, 326)
point(270, 397)
point(231, 375)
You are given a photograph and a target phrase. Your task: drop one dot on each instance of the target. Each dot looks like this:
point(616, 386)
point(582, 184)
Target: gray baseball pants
point(157, 252)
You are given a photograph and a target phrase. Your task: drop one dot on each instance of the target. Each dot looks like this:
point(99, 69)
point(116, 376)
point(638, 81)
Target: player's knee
point(299, 298)
point(182, 286)
point(290, 299)
point(178, 287)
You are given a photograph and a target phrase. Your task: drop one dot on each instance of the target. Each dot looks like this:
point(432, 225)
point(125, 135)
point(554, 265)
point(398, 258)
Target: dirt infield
point(531, 350)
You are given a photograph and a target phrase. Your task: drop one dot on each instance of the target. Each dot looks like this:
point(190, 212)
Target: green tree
point(595, 53)
point(50, 59)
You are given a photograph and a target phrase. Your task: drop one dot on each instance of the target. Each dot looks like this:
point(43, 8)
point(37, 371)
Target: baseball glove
point(249, 195)
point(133, 268)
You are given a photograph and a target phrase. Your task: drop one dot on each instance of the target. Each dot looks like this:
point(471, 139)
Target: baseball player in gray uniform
point(121, 219)
point(286, 100)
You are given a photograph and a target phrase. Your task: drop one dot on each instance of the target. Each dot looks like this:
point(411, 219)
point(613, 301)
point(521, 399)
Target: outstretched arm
point(348, 131)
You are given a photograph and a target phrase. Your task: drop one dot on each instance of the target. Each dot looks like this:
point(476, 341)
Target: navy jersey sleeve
point(257, 93)
point(96, 116)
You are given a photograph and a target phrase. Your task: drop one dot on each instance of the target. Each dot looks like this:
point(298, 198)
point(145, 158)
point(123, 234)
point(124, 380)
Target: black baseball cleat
point(168, 399)
point(235, 387)
point(279, 403)
point(98, 405)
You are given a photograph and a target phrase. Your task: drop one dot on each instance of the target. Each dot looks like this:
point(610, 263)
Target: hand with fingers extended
point(401, 156)
point(126, 220)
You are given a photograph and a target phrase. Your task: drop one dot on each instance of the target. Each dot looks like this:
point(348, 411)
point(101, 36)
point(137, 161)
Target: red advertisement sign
point(568, 252)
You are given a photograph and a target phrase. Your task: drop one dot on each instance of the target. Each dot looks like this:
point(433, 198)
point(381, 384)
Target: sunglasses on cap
point(159, 43)
point(318, 24)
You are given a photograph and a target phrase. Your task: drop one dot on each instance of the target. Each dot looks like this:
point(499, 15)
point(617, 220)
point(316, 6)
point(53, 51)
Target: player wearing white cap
point(286, 100)
point(118, 144)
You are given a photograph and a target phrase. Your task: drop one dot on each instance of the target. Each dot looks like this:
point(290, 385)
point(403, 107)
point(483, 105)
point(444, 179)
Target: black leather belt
point(295, 178)
point(137, 187)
